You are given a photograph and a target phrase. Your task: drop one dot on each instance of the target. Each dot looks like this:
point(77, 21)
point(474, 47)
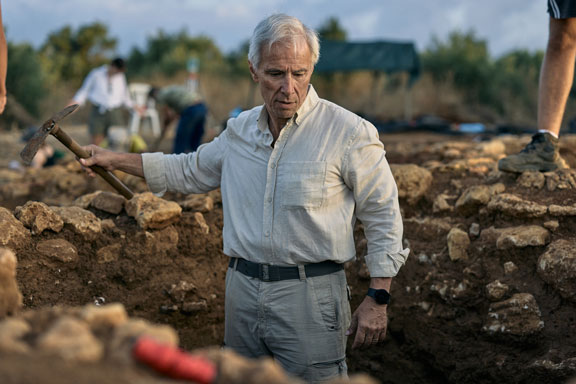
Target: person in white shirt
point(294, 173)
point(106, 89)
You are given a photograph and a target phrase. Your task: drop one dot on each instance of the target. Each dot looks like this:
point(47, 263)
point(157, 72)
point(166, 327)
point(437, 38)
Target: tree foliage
point(331, 29)
point(168, 54)
point(68, 54)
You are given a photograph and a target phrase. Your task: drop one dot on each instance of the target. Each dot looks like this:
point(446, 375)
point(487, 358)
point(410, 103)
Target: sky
point(505, 24)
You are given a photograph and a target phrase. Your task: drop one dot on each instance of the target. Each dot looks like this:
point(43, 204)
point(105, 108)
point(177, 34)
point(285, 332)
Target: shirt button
point(269, 200)
point(267, 233)
point(273, 166)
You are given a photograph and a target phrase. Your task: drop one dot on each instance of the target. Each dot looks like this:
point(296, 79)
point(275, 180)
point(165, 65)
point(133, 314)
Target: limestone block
point(441, 204)
point(84, 201)
point(10, 296)
point(58, 249)
point(110, 315)
point(81, 221)
point(13, 234)
point(201, 222)
point(108, 202)
point(515, 206)
point(38, 217)
point(198, 203)
point(510, 267)
point(557, 267)
point(522, 236)
point(531, 179)
point(12, 332)
point(124, 335)
point(153, 212)
point(72, 340)
point(412, 181)
point(519, 316)
point(458, 242)
point(562, 210)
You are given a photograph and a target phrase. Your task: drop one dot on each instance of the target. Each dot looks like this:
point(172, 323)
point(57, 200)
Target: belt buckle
point(264, 272)
point(267, 272)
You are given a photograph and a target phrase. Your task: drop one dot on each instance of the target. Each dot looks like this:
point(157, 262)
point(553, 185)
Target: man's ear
point(253, 72)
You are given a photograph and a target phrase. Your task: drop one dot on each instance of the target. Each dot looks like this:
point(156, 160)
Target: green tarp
point(386, 56)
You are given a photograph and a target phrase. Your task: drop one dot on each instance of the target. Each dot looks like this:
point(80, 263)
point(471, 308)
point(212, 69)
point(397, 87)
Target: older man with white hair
point(295, 174)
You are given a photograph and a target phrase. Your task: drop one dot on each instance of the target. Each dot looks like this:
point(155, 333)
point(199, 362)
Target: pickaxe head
point(37, 140)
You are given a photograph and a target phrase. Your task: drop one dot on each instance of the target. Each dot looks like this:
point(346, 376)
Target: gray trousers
point(300, 323)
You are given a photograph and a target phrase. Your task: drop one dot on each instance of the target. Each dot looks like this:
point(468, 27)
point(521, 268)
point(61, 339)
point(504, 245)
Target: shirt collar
point(307, 106)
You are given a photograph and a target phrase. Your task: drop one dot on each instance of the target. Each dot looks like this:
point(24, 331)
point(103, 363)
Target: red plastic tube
point(173, 362)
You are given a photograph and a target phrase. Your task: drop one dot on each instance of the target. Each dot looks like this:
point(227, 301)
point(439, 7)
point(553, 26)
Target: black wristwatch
point(381, 296)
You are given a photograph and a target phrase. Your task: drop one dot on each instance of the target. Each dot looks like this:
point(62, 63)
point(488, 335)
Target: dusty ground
point(449, 321)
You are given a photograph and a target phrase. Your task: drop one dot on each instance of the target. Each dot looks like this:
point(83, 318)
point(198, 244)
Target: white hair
point(281, 27)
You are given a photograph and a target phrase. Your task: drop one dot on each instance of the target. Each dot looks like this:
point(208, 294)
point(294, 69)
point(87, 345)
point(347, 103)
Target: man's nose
point(288, 85)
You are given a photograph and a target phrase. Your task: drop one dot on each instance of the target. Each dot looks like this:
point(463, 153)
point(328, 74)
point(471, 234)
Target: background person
point(106, 89)
point(556, 76)
point(3, 64)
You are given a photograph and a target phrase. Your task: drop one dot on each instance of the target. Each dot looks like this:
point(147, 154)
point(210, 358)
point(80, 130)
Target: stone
point(124, 335)
point(474, 230)
point(72, 340)
point(562, 210)
point(531, 179)
point(198, 203)
point(496, 290)
point(108, 202)
point(458, 242)
point(84, 201)
point(58, 249)
point(494, 148)
point(201, 222)
point(159, 241)
point(109, 253)
point(38, 217)
point(557, 267)
point(12, 332)
point(551, 225)
point(10, 296)
point(522, 236)
point(441, 204)
point(152, 212)
point(104, 316)
point(560, 179)
point(515, 206)
point(518, 316)
point(510, 267)
point(412, 181)
point(13, 234)
point(81, 221)
point(179, 291)
point(475, 197)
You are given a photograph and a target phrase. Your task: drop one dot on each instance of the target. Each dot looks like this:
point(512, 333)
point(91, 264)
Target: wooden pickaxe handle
point(72, 145)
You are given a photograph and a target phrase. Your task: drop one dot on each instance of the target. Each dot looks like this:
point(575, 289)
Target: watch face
point(381, 296)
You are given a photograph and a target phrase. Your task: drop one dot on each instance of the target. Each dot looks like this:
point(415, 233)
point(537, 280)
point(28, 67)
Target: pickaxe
point(51, 127)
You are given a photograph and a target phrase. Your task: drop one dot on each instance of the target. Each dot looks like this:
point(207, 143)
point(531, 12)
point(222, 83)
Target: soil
point(443, 343)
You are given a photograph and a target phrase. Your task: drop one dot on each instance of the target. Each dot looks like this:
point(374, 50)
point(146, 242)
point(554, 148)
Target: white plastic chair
point(139, 94)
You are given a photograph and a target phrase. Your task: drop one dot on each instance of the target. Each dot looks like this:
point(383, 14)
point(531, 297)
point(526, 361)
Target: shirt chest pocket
point(301, 184)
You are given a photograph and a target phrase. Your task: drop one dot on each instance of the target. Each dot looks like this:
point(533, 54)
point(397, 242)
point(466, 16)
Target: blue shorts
point(562, 9)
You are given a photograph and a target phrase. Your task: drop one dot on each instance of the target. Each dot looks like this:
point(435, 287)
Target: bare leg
point(557, 74)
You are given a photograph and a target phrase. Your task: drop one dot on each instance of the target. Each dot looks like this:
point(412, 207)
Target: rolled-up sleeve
point(197, 172)
point(367, 172)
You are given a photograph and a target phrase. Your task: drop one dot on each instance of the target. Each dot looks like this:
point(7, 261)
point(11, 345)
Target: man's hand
point(369, 321)
point(130, 163)
point(98, 156)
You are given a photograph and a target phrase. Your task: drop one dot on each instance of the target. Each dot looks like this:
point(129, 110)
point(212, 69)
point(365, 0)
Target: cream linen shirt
point(296, 202)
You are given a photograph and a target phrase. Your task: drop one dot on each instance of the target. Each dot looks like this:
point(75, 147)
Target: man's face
point(284, 75)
